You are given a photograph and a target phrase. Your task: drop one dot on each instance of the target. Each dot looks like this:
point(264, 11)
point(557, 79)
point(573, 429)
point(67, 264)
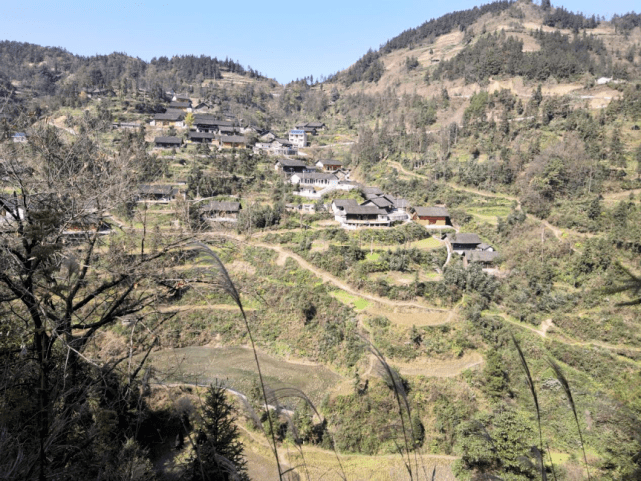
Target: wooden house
point(201, 137)
point(338, 206)
point(232, 142)
point(486, 258)
point(156, 192)
point(168, 142)
point(364, 216)
point(291, 166)
point(371, 192)
point(328, 165)
point(182, 106)
point(168, 119)
point(220, 211)
point(431, 215)
point(209, 123)
point(461, 242)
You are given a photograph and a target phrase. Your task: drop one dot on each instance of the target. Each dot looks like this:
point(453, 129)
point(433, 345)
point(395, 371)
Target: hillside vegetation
point(383, 354)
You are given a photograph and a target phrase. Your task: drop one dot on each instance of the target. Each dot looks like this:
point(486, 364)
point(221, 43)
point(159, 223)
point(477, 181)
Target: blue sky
point(282, 40)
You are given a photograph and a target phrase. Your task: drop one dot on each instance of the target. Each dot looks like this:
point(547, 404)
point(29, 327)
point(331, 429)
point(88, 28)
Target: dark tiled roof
point(218, 206)
point(234, 139)
point(201, 135)
point(481, 256)
point(168, 140)
point(464, 238)
point(372, 191)
point(345, 202)
point(178, 115)
point(329, 162)
point(364, 209)
point(156, 189)
point(292, 163)
point(317, 176)
point(381, 202)
point(432, 212)
point(179, 105)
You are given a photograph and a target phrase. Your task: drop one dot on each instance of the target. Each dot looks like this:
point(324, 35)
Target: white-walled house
point(298, 137)
point(316, 179)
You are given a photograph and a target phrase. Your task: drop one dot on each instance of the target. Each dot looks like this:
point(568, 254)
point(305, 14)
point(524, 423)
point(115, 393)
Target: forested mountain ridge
point(47, 69)
point(497, 41)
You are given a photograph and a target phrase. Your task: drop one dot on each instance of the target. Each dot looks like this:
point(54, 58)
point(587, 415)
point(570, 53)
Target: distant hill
point(505, 42)
point(47, 70)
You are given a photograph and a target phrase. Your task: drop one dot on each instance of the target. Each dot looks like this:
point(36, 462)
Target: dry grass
point(236, 366)
point(412, 316)
point(440, 367)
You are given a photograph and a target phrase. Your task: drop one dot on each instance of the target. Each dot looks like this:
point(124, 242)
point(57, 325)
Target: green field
point(346, 298)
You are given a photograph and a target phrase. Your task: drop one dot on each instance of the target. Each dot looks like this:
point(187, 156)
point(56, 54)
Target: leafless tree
point(64, 276)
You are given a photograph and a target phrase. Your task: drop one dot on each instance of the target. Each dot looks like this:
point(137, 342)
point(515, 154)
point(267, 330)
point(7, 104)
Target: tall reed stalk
point(568, 393)
point(225, 283)
point(530, 382)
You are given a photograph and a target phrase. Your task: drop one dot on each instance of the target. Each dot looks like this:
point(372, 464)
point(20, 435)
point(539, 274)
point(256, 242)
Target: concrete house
point(432, 216)
point(315, 179)
point(298, 137)
point(20, 137)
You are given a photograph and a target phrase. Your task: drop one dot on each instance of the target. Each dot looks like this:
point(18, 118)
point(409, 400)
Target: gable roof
point(363, 209)
point(176, 115)
point(221, 206)
point(481, 256)
point(282, 141)
point(156, 189)
point(168, 140)
point(316, 176)
point(345, 202)
point(233, 139)
point(381, 202)
point(179, 105)
point(182, 96)
point(200, 135)
point(464, 238)
point(315, 125)
point(372, 191)
point(291, 163)
point(432, 212)
point(329, 162)
point(207, 119)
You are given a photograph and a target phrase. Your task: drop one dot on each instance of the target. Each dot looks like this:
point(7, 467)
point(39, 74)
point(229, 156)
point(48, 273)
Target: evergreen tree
point(219, 453)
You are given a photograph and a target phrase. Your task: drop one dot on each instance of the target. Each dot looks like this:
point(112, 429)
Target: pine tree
point(219, 453)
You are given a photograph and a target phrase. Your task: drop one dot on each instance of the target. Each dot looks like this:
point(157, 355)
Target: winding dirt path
point(283, 254)
point(564, 338)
